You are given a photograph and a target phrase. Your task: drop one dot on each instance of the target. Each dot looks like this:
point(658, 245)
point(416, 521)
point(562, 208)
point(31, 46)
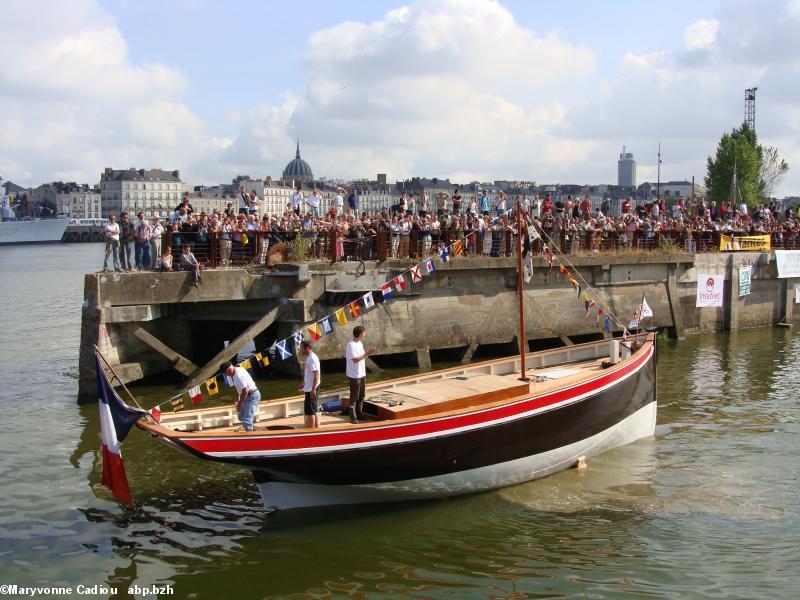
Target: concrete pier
point(151, 323)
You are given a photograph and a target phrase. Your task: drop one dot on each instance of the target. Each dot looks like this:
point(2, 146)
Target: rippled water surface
point(706, 509)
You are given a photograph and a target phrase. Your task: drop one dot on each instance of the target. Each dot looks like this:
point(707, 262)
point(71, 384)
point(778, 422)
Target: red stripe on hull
point(331, 440)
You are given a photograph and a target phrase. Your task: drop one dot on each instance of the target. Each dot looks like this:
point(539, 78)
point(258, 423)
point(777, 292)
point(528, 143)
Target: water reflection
point(638, 517)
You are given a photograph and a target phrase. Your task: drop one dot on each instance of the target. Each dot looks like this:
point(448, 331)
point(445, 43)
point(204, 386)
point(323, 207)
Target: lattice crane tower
point(750, 107)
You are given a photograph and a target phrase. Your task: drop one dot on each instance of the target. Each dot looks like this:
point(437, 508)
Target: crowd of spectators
point(416, 225)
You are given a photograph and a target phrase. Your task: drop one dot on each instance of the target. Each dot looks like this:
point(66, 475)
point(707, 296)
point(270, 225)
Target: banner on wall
point(788, 262)
point(709, 290)
point(752, 243)
point(745, 275)
point(797, 293)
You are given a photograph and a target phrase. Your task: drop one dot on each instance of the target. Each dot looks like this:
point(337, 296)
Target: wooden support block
point(182, 365)
point(200, 375)
point(581, 464)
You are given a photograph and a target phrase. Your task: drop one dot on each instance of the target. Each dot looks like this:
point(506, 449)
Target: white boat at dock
point(33, 231)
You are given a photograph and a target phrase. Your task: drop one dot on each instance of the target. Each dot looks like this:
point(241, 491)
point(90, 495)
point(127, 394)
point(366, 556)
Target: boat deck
point(439, 392)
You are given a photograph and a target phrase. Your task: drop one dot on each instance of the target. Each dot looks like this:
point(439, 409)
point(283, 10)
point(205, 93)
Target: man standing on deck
point(310, 386)
point(357, 371)
point(248, 395)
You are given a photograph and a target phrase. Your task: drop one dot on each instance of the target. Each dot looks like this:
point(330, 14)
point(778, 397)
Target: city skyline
point(466, 90)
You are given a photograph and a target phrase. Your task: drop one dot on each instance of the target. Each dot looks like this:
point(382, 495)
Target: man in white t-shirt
point(111, 232)
point(314, 201)
point(311, 380)
point(338, 201)
point(248, 396)
point(296, 200)
point(357, 371)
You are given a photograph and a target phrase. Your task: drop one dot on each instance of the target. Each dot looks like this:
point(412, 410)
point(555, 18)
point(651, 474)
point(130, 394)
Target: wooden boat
point(456, 431)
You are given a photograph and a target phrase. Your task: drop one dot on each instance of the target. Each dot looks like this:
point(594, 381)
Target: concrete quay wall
point(151, 323)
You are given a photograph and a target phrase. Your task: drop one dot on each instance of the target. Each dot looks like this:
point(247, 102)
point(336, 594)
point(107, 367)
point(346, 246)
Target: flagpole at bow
point(117, 377)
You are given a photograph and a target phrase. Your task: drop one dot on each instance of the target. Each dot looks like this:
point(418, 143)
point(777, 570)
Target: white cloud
point(447, 88)
point(438, 88)
point(71, 102)
point(793, 10)
point(701, 34)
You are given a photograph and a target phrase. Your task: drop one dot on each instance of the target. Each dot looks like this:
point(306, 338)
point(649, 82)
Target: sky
point(460, 89)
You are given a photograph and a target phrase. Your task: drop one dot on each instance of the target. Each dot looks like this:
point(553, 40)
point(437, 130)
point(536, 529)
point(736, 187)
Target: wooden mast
point(523, 340)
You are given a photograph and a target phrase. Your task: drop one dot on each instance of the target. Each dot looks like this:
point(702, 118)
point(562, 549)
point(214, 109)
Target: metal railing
point(220, 250)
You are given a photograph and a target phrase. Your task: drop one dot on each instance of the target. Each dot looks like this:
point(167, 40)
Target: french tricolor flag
point(116, 420)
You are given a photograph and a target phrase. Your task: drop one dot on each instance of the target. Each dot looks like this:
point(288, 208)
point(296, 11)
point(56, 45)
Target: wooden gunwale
point(585, 374)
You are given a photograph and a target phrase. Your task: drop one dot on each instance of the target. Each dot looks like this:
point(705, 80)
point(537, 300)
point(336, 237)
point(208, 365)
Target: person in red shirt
point(547, 205)
point(586, 206)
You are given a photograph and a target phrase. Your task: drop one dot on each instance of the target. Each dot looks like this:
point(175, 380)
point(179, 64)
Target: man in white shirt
point(111, 232)
point(248, 396)
point(157, 230)
point(310, 386)
point(338, 201)
point(244, 202)
point(357, 371)
point(189, 262)
point(297, 200)
point(314, 201)
point(252, 203)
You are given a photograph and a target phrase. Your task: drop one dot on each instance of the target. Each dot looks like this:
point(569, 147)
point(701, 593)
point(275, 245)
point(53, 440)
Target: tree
point(773, 170)
point(238, 179)
point(740, 147)
point(759, 170)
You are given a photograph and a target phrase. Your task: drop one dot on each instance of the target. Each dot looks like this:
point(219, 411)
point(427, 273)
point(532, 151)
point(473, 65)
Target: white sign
point(709, 290)
point(745, 275)
point(788, 263)
point(646, 311)
point(797, 293)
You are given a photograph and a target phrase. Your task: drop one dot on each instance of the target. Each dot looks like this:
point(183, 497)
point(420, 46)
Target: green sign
point(745, 274)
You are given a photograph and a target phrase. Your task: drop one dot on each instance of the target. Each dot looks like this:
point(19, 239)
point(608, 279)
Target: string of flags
point(426, 268)
point(590, 302)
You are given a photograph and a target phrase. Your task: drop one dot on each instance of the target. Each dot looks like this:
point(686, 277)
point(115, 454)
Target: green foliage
point(758, 169)
point(740, 147)
point(299, 248)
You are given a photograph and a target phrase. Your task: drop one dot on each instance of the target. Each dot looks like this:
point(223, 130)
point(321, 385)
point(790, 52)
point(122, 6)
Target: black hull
point(486, 446)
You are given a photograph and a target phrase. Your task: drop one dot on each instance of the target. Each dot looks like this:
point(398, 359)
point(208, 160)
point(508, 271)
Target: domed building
point(298, 170)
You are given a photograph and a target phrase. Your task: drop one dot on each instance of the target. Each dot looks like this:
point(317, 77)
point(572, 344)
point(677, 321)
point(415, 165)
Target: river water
point(707, 509)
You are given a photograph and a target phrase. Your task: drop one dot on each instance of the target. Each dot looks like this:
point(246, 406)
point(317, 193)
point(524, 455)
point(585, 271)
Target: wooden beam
point(470, 351)
point(182, 364)
point(566, 340)
point(424, 359)
point(484, 327)
point(211, 367)
point(371, 366)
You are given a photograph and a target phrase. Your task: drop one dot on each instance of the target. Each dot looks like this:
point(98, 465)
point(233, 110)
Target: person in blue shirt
point(484, 203)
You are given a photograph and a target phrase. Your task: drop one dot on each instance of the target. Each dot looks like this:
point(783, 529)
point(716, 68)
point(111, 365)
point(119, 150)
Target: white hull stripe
point(296, 495)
